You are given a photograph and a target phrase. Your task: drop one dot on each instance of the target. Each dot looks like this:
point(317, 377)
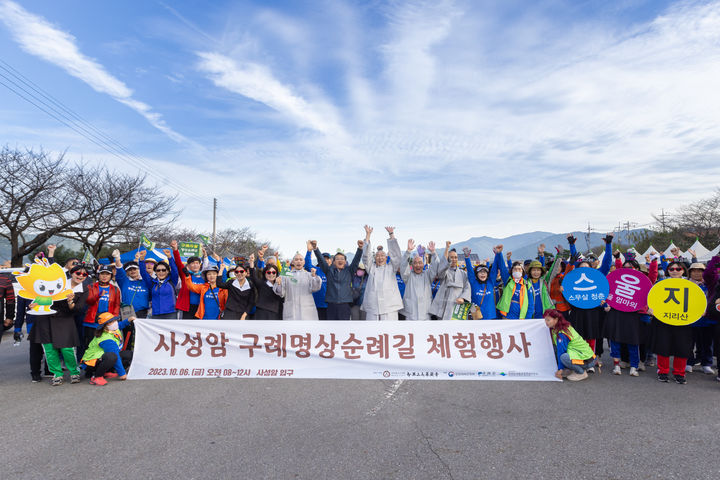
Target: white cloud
point(38, 37)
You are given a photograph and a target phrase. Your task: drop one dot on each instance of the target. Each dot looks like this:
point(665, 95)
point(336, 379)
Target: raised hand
point(390, 230)
point(541, 248)
point(215, 257)
point(431, 247)
point(421, 250)
point(411, 245)
point(571, 239)
point(167, 252)
point(174, 244)
point(140, 255)
point(51, 250)
point(310, 246)
point(263, 248)
point(447, 244)
point(608, 238)
point(261, 254)
point(252, 258)
point(508, 255)
point(361, 244)
point(368, 231)
point(314, 244)
point(116, 254)
point(467, 251)
point(692, 252)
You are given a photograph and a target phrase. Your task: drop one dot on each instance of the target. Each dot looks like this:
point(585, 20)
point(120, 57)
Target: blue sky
point(447, 119)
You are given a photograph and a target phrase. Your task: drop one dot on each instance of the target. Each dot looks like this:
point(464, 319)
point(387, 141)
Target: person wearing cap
point(418, 281)
point(132, 287)
point(104, 353)
point(482, 282)
point(162, 286)
point(150, 264)
point(703, 329)
point(538, 291)
point(102, 296)
point(213, 294)
point(192, 272)
point(338, 275)
point(58, 336)
point(321, 294)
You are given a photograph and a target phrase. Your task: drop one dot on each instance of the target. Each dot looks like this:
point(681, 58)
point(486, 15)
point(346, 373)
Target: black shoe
point(36, 377)
point(680, 379)
point(663, 377)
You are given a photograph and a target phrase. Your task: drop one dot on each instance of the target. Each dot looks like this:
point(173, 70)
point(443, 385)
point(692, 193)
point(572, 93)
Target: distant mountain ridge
point(524, 245)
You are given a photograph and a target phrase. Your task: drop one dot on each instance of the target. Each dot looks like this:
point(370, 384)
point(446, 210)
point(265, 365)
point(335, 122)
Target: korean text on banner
point(442, 350)
point(190, 249)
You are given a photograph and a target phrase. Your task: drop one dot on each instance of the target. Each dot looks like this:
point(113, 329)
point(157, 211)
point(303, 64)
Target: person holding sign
point(382, 300)
point(574, 355)
point(627, 303)
point(418, 281)
point(672, 340)
point(454, 288)
point(297, 287)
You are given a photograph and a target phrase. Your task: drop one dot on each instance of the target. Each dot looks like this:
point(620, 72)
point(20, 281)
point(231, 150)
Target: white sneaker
point(641, 366)
point(624, 364)
point(634, 372)
point(617, 371)
point(576, 377)
point(708, 370)
point(688, 368)
point(591, 370)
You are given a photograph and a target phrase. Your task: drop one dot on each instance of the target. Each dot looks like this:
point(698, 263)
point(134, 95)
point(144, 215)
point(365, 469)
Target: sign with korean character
point(677, 301)
point(628, 290)
point(441, 350)
point(585, 288)
point(190, 249)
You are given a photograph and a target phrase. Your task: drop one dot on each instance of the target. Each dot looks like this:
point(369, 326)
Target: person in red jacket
point(102, 296)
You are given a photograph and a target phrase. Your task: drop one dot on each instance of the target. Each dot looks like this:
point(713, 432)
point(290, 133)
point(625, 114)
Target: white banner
point(432, 350)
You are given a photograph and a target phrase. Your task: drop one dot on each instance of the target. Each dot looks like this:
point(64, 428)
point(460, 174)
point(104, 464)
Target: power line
point(57, 110)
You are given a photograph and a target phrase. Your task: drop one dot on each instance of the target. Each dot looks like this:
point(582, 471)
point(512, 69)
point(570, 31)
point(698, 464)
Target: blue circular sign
point(585, 288)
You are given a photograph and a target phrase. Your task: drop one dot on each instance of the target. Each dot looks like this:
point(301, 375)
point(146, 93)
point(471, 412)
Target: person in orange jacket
point(212, 298)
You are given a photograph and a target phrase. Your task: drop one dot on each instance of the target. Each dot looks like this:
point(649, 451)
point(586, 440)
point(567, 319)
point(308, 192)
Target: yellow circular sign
point(677, 301)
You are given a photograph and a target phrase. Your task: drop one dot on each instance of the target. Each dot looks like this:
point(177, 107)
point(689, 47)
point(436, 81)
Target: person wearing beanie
point(483, 283)
point(105, 354)
point(418, 280)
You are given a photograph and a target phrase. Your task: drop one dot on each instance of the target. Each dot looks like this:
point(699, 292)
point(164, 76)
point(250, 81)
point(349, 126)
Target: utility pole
point(628, 225)
point(662, 219)
point(587, 237)
point(214, 221)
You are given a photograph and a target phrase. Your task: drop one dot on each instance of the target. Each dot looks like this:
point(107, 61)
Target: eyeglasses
point(675, 269)
point(239, 271)
point(80, 274)
point(270, 272)
point(159, 270)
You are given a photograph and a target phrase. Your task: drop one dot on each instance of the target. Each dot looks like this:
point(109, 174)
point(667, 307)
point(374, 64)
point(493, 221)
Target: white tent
point(700, 251)
point(649, 251)
point(713, 252)
point(670, 255)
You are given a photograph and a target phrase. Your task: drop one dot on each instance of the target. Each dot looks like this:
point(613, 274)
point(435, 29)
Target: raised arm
point(504, 272)
point(367, 249)
point(358, 256)
point(474, 284)
point(394, 249)
point(607, 258)
point(321, 263)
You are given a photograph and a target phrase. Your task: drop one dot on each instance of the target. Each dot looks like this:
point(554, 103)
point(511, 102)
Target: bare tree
point(117, 207)
point(33, 200)
point(233, 241)
point(701, 218)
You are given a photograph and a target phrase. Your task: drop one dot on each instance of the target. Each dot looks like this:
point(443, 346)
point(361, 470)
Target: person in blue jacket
point(162, 287)
point(104, 353)
point(482, 282)
point(132, 286)
point(319, 296)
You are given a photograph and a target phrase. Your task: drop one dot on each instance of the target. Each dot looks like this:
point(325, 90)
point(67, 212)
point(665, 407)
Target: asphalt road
point(606, 427)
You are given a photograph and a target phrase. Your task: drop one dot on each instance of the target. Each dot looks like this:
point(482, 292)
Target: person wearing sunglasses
point(703, 329)
point(162, 286)
point(102, 297)
point(268, 305)
point(670, 340)
point(241, 293)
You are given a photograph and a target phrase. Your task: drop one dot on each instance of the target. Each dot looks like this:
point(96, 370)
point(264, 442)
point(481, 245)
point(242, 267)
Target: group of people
point(92, 330)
